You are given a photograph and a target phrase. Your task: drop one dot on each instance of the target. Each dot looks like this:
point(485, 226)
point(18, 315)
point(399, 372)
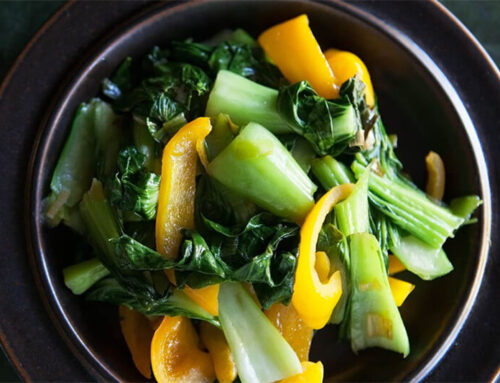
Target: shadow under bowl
point(417, 103)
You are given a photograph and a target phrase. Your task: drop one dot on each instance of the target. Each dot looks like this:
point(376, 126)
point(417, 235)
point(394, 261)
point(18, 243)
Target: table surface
point(19, 20)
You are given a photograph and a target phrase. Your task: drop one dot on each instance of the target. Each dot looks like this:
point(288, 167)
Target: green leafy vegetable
point(330, 126)
point(134, 189)
point(374, 319)
point(331, 172)
point(80, 277)
point(173, 303)
point(257, 166)
point(222, 133)
point(421, 259)
point(75, 167)
point(352, 213)
point(108, 138)
point(300, 149)
point(411, 209)
point(261, 353)
point(125, 286)
point(263, 253)
point(465, 206)
point(243, 58)
point(245, 101)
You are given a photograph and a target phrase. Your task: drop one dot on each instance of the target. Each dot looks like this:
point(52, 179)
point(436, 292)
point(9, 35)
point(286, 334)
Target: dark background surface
point(19, 20)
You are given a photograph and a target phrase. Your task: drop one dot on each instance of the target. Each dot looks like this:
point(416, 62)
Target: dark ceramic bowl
point(418, 100)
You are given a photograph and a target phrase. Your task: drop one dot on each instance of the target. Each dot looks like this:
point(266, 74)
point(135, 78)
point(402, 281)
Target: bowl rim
point(33, 185)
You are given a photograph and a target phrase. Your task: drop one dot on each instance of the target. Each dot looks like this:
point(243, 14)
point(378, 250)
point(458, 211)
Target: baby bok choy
point(257, 166)
point(259, 350)
point(374, 319)
point(245, 101)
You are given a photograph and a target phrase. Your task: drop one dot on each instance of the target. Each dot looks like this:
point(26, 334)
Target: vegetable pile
point(238, 195)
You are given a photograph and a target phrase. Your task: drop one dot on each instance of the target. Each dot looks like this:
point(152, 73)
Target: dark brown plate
point(437, 90)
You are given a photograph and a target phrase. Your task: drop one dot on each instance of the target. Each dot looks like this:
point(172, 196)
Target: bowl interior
point(413, 105)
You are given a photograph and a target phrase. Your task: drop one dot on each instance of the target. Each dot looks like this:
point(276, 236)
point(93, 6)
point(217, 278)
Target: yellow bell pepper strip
point(400, 290)
point(206, 297)
point(215, 341)
point(292, 327)
point(176, 199)
point(435, 176)
point(294, 49)
point(322, 266)
point(395, 265)
point(176, 355)
point(314, 300)
point(138, 332)
point(178, 186)
point(311, 373)
point(345, 65)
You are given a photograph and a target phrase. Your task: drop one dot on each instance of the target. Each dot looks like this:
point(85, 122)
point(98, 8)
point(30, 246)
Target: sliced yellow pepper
point(400, 290)
point(322, 266)
point(345, 65)
point(294, 49)
point(176, 200)
point(138, 332)
point(395, 265)
point(314, 300)
point(292, 327)
point(215, 342)
point(206, 297)
point(311, 373)
point(176, 355)
point(435, 176)
point(178, 186)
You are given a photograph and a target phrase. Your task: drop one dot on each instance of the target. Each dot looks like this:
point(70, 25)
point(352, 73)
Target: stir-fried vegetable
point(257, 166)
point(436, 176)
point(214, 340)
point(138, 332)
point(374, 319)
point(176, 355)
point(294, 38)
point(194, 179)
point(313, 299)
point(345, 65)
point(264, 358)
point(292, 327)
point(312, 373)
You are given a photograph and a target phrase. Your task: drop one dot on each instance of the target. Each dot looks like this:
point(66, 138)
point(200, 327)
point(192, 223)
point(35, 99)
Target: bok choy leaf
point(263, 253)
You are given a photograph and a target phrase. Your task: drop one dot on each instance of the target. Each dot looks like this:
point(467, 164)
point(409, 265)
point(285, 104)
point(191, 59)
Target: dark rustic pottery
point(437, 90)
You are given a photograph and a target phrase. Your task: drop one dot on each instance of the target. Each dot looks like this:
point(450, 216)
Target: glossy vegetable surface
point(176, 355)
point(257, 166)
point(294, 38)
point(313, 299)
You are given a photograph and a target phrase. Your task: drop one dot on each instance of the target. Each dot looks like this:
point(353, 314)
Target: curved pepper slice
point(206, 297)
point(292, 327)
point(176, 199)
point(314, 300)
point(322, 266)
point(345, 65)
point(435, 175)
point(138, 332)
point(215, 341)
point(311, 373)
point(294, 49)
point(178, 186)
point(176, 356)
